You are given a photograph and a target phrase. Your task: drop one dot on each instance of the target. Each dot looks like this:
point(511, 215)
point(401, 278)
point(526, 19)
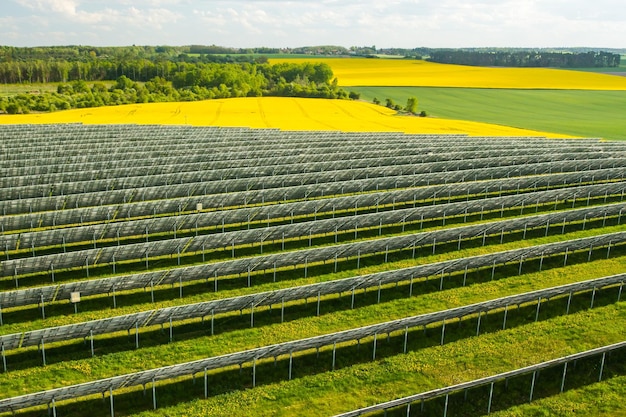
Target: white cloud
point(403, 23)
point(67, 7)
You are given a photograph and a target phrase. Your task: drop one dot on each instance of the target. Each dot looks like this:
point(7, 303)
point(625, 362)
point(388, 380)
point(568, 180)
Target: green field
point(578, 113)
point(7, 90)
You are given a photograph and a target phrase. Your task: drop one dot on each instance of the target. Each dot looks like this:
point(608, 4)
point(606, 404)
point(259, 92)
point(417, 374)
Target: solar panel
point(217, 362)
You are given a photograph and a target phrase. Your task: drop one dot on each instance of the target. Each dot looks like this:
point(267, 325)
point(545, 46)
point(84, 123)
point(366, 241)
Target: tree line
point(589, 59)
point(136, 75)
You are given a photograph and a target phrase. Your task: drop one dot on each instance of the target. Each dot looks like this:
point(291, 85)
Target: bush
point(13, 108)
point(411, 105)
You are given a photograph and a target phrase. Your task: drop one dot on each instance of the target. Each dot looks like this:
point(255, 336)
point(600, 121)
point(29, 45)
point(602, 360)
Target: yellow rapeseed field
point(413, 73)
point(273, 112)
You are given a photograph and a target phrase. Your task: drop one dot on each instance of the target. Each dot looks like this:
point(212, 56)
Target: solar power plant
point(158, 267)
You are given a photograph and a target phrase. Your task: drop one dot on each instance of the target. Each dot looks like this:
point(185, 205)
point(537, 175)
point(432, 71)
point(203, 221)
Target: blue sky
point(281, 23)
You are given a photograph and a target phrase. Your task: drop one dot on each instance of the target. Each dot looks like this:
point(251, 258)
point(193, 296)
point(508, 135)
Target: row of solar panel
point(138, 251)
point(289, 348)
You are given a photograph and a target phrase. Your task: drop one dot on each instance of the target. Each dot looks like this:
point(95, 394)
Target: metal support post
point(282, 309)
point(593, 296)
point(538, 306)
point(569, 302)
point(374, 351)
point(4, 358)
point(406, 339)
point(154, 401)
point(319, 299)
point(601, 366)
point(506, 310)
point(43, 352)
point(111, 401)
point(532, 386)
point(254, 373)
point(443, 331)
point(465, 276)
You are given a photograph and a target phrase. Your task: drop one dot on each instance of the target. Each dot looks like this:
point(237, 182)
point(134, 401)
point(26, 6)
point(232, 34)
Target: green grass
point(578, 113)
point(605, 399)
point(358, 381)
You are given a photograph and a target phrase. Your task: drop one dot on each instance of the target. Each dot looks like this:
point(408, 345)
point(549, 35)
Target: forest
point(91, 77)
point(589, 59)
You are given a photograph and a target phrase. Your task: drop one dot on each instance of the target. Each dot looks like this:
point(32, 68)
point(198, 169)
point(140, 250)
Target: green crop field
point(579, 113)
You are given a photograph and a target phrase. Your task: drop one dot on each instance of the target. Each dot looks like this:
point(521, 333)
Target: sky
point(293, 23)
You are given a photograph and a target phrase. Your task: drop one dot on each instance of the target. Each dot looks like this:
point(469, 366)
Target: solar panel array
point(289, 348)
point(97, 210)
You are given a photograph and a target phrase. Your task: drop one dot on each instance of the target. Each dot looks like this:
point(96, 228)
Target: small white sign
point(75, 297)
point(199, 207)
